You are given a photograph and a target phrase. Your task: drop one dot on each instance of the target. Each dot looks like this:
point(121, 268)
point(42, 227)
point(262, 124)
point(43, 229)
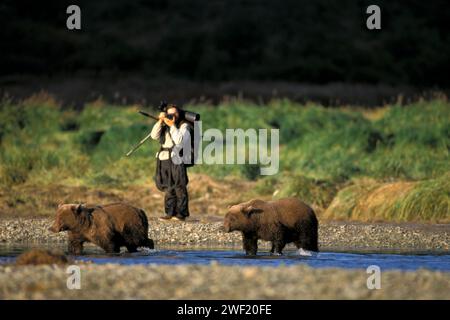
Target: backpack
point(193, 143)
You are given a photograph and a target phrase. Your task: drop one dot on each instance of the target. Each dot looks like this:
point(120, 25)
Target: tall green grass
point(429, 200)
point(409, 142)
point(426, 200)
point(42, 142)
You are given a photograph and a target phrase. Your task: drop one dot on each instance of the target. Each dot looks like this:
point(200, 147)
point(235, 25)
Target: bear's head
point(239, 216)
point(67, 217)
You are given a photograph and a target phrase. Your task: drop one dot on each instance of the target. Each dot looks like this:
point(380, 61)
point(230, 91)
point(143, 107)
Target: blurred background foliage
point(294, 40)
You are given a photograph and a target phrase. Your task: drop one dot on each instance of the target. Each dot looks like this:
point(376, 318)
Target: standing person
point(171, 176)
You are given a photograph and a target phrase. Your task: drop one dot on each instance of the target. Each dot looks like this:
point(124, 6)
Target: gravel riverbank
point(217, 282)
point(331, 235)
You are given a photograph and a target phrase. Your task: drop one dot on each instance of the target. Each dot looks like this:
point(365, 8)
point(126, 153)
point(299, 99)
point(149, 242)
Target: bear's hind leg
point(148, 243)
point(307, 243)
point(308, 240)
point(307, 236)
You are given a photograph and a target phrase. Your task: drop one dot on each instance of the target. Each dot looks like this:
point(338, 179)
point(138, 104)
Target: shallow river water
point(394, 260)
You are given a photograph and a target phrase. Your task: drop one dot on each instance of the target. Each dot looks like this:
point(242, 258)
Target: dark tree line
point(295, 40)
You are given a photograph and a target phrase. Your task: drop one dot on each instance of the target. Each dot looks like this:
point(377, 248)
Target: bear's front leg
point(75, 243)
point(250, 243)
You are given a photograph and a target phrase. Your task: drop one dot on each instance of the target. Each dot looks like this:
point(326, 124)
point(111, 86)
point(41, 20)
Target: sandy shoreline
point(331, 235)
point(217, 282)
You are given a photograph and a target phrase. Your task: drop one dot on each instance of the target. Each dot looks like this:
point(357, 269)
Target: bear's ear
point(90, 210)
point(79, 208)
point(249, 210)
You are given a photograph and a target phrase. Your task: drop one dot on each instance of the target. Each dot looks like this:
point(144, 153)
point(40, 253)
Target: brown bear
point(108, 226)
point(281, 222)
point(41, 256)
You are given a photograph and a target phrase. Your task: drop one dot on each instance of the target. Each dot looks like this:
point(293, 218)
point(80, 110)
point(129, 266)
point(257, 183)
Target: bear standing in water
point(282, 221)
point(110, 226)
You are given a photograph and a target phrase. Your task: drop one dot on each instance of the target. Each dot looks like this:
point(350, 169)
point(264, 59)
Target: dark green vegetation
point(296, 40)
point(322, 150)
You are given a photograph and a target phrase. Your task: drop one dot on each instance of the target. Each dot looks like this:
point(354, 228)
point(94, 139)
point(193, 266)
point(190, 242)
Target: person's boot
point(166, 218)
point(179, 218)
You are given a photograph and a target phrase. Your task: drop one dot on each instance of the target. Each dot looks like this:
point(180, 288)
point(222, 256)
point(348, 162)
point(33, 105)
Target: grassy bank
point(324, 155)
point(427, 200)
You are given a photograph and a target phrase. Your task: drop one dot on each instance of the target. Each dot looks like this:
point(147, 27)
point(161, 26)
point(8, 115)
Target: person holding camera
point(171, 174)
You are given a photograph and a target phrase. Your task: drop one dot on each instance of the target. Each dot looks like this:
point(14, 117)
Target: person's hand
point(169, 122)
point(161, 117)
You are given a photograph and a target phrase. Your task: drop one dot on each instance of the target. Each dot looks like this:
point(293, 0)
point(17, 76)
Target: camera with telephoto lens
point(184, 115)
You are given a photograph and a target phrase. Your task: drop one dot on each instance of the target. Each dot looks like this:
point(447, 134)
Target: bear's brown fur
point(281, 222)
point(40, 256)
point(109, 226)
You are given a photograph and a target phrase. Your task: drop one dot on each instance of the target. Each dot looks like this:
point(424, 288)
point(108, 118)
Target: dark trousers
point(172, 179)
point(176, 202)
